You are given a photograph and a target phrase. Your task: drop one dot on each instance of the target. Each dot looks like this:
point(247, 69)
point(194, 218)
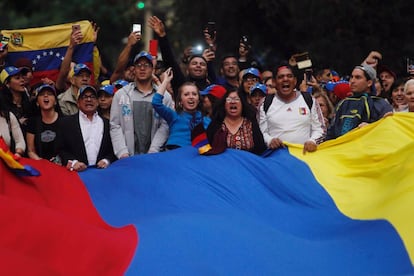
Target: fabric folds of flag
point(45, 47)
point(343, 210)
point(13, 164)
point(374, 166)
point(49, 226)
point(199, 139)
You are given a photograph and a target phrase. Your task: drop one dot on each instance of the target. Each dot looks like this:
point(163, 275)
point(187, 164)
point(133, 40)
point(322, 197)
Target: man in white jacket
point(135, 127)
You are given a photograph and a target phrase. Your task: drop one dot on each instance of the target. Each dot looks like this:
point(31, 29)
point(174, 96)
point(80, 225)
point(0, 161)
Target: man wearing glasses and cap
point(83, 138)
point(80, 75)
point(136, 128)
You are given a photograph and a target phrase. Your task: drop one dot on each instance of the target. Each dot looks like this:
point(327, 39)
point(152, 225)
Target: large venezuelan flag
point(345, 209)
point(46, 47)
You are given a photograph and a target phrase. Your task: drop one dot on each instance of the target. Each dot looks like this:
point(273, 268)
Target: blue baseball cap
point(108, 89)
point(85, 88)
point(9, 72)
point(81, 67)
point(251, 71)
point(143, 54)
point(329, 86)
point(45, 87)
point(259, 86)
point(120, 83)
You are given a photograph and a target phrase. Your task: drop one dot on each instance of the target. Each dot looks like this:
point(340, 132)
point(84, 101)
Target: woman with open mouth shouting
point(187, 113)
point(234, 125)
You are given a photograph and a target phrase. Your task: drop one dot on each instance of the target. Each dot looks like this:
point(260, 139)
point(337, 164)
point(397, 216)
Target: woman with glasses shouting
point(234, 125)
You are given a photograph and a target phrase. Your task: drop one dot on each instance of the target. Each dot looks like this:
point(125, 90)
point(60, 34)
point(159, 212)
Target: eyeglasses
point(143, 65)
point(91, 97)
point(251, 79)
point(232, 100)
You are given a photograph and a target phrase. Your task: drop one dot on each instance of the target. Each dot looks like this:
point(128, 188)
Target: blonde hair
point(331, 108)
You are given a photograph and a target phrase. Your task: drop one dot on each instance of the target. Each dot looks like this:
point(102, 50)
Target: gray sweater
point(122, 126)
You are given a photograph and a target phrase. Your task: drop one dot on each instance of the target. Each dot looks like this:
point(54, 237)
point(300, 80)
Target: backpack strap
point(269, 99)
point(308, 99)
point(267, 102)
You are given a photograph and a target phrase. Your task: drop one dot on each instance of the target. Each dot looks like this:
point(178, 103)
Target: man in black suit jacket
point(84, 138)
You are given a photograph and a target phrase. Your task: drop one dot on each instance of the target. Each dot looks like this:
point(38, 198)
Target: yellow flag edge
point(369, 172)
point(56, 36)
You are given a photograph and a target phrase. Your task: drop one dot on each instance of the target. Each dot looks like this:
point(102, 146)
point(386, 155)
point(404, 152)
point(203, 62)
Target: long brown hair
point(178, 105)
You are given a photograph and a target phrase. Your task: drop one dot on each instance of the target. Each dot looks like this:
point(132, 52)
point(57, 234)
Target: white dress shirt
point(92, 133)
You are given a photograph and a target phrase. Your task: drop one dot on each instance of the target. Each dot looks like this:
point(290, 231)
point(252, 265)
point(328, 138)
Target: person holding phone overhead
point(124, 68)
point(199, 67)
point(63, 81)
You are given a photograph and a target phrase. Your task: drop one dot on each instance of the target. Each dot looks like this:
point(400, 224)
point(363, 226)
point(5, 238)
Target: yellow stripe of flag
point(46, 37)
point(369, 173)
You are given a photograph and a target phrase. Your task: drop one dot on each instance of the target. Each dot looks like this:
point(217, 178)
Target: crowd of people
point(147, 105)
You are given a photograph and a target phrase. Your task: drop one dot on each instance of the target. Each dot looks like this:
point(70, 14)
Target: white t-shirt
point(293, 121)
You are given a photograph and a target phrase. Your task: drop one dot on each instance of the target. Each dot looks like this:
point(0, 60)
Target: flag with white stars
point(45, 47)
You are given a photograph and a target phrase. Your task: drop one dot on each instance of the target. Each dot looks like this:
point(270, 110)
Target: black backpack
point(350, 112)
point(269, 99)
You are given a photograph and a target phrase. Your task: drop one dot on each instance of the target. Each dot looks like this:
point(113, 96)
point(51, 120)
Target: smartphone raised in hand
point(197, 49)
point(75, 27)
point(410, 66)
point(136, 28)
point(308, 73)
point(211, 29)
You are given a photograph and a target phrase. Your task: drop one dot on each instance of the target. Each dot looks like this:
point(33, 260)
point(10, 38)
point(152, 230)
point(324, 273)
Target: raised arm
point(168, 76)
point(210, 53)
point(75, 38)
point(123, 57)
point(167, 55)
point(166, 112)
